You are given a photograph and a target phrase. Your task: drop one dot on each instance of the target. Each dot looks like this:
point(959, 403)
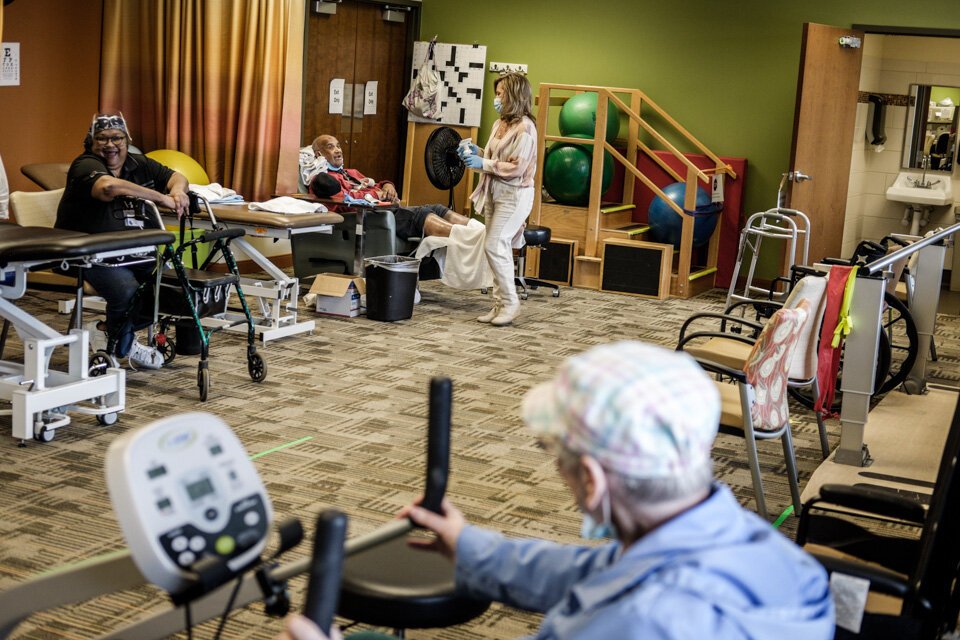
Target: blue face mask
point(497, 104)
point(593, 530)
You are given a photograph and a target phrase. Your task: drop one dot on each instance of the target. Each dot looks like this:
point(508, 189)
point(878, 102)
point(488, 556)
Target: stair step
point(614, 208)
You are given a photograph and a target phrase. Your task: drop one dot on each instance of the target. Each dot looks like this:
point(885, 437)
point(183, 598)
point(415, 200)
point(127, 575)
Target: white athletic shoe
point(146, 357)
point(98, 338)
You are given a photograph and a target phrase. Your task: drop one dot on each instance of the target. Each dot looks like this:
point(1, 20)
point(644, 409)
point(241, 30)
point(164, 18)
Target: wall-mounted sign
point(10, 64)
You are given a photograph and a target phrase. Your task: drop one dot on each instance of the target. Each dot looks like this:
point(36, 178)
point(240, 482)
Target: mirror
point(930, 136)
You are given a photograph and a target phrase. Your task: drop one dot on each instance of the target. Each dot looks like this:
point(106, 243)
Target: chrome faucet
point(922, 182)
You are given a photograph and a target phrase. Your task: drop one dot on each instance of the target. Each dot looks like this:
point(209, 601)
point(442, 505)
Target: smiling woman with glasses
point(105, 140)
point(100, 184)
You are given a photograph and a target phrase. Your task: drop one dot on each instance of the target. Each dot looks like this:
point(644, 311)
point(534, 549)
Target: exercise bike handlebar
point(438, 443)
point(326, 567)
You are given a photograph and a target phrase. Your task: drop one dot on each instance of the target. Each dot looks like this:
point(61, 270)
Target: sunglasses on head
point(109, 122)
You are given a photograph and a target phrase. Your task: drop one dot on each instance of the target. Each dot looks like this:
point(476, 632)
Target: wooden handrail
point(656, 134)
point(689, 136)
point(644, 179)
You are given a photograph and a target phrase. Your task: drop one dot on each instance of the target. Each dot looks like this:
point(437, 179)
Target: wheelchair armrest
point(716, 367)
point(696, 335)
point(881, 580)
point(881, 503)
point(724, 318)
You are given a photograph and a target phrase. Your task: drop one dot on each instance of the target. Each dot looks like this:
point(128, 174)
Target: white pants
point(505, 211)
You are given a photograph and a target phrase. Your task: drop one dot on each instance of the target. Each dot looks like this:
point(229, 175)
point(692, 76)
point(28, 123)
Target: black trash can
point(391, 287)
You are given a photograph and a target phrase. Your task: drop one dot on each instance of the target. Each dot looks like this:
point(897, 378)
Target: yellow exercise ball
point(182, 163)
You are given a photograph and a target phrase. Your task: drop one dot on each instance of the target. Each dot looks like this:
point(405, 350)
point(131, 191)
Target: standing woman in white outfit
point(505, 193)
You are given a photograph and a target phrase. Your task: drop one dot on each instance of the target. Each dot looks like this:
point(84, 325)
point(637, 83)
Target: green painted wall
point(727, 71)
point(939, 93)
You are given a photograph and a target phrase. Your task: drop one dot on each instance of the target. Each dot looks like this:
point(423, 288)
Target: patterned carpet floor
point(341, 420)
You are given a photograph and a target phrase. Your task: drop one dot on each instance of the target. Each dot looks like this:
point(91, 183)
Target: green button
point(225, 545)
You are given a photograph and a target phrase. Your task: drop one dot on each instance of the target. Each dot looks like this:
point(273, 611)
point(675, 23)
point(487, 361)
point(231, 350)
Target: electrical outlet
point(507, 67)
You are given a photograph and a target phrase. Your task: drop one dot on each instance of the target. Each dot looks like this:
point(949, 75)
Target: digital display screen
point(199, 489)
point(156, 472)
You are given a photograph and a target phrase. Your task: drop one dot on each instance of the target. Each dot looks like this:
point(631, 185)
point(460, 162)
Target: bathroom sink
point(917, 188)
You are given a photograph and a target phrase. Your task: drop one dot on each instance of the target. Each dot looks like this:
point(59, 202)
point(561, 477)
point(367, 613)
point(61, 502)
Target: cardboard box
point(339, 295)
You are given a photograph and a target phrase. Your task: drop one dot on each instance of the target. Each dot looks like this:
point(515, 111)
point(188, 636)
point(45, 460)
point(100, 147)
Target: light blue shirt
point(716, 571)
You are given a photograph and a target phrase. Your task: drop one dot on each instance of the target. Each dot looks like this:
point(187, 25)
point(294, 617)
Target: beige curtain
point(209, 78)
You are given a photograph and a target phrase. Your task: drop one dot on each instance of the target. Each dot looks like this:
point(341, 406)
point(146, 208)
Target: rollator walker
point(185, 296)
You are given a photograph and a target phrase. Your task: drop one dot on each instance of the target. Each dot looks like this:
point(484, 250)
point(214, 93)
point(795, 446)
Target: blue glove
point(473, 162)
point(474, 150)
point(357, 202)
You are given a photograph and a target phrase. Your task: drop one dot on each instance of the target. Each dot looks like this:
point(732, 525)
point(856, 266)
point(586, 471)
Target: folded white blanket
point(286, 204)
point(216, 193)
point(460, 256)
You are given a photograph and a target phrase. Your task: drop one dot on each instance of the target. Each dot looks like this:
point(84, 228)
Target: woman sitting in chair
point(100, 185)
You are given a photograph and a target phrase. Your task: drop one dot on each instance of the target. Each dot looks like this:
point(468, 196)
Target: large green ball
point(578, 116)
point(566, 172)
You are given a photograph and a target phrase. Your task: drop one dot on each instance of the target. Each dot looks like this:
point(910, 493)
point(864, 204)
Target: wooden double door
point(362, 42)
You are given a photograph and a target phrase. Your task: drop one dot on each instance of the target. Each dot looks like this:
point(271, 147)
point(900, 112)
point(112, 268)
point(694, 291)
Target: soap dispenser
point(876, 115)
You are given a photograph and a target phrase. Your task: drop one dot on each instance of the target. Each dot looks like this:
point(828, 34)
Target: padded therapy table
point(40, 397)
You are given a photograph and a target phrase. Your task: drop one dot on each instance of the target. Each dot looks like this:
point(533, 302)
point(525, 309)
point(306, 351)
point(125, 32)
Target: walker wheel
point(107, 419)
point(167, 348)
point(43, 434)
point(524, 295)
point(257, 367)
point(556, 293)
point(203, 381)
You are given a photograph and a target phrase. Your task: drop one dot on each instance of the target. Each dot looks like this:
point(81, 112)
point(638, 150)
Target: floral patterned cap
point(641, 410)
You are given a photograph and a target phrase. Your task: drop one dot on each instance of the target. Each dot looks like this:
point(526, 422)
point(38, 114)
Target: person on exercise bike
point(632, 426)
point(103, 184)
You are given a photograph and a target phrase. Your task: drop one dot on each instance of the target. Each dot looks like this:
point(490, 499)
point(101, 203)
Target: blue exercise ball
point(578, 116)
point(567, 169)
point(667, 227)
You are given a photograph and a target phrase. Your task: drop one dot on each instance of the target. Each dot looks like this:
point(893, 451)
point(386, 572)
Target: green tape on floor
point(282, 446)
point(783, 516)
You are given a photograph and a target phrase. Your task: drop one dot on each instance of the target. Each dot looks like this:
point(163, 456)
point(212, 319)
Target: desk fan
point(444, 167)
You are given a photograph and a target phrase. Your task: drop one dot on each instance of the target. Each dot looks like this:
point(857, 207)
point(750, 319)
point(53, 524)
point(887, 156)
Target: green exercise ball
point(566, 172)
point(181, 163)
point(578, 116)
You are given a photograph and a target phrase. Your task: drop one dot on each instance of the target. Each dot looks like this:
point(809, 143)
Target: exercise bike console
point(184, 489)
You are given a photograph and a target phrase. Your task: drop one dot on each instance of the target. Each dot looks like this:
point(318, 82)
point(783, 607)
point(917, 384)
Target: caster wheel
point(556, 293)
point(44, 435)
point(167, 349)
point(483, 291)
point(257, 367)
point(99, 363)
point(203, 382)
point(524, 295)
point(911, 387)
point(107, 419)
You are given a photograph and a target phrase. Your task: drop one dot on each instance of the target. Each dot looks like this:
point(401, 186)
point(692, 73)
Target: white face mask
point(497, 104)
point(593, 530)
